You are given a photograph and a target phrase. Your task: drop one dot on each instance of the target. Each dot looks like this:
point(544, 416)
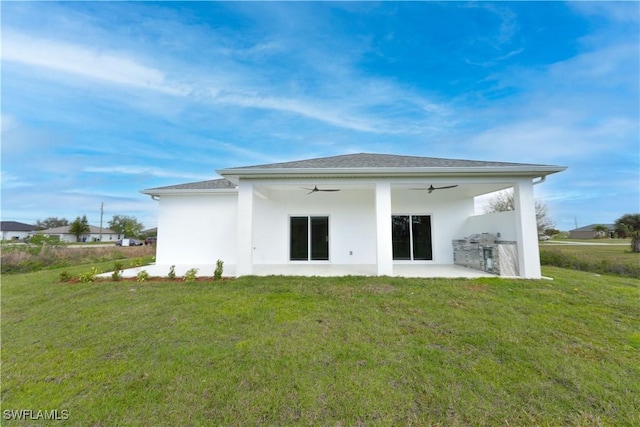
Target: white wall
point(15, 235)
point(448, 215)
point(494, 223)
point(351, 224)
point(197, 229)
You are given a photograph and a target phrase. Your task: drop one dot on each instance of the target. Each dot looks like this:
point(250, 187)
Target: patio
point(325, 270)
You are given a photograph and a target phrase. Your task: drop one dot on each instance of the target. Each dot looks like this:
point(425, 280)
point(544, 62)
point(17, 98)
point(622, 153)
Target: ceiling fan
point(432, 188)
point(315, 189)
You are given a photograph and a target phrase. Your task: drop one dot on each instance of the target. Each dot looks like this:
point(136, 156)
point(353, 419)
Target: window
point(309, 236)
point(411, 237)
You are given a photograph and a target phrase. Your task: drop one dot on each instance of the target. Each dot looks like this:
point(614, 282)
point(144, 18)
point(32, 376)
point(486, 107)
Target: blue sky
point(101, 100)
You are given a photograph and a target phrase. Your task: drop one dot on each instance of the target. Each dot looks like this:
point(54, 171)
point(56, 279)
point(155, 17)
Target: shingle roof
point(362, 164)
point(200, 185)
point(16, 226)
point(368, 160)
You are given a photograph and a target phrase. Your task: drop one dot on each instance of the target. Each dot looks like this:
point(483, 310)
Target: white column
point(526, 230)
point(244, 258)
point(383, 229)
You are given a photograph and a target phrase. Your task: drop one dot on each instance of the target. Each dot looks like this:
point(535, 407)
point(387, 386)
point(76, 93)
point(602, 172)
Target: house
point(13, 230)
point(95, 234)
point(365, 214)
point(587, 232)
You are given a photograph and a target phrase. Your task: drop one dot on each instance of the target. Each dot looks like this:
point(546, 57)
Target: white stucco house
point(369, 214)
point(13, 230)
point(94, 235)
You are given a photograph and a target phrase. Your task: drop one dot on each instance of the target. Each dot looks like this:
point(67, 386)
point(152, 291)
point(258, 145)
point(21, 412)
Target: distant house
point(12, 230)
point(94, 234)
point(150, 232)
point(587, 232)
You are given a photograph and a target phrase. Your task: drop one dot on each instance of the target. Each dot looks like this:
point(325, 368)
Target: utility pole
point(101, 212)
point(575, 219)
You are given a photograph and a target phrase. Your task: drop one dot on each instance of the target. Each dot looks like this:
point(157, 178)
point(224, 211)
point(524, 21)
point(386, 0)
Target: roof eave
point(183, 191)
point(528, 171)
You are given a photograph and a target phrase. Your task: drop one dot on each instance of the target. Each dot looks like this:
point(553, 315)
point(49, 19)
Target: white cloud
point(93, 63)
point(152, 171)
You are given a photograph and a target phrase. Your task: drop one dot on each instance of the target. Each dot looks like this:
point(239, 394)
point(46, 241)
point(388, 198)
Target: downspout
point(541, 180)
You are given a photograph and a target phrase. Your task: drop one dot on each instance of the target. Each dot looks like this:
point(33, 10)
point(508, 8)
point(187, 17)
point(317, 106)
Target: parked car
point(544, 238)
point(132, 242)
point(150, 240)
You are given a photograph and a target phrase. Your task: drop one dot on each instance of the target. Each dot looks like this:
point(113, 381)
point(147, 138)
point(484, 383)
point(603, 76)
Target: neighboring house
point(151, 232)
point(94, 234)
point(587, 232)
point(371, 214)
point(12, 230)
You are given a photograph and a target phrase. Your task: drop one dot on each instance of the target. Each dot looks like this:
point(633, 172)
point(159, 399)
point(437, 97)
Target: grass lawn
point(596, 258)
point(324, 351)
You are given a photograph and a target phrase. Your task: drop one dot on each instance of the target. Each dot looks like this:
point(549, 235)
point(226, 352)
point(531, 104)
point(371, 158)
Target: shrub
point(190, 275)
point(137, 262)
point(89, 276)
point(142, 276)
point(217, 273)
point(172, 272)
point(117, 271)
point(65, 276)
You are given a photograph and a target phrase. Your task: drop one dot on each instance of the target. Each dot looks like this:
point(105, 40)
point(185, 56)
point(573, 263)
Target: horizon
point(102, 100)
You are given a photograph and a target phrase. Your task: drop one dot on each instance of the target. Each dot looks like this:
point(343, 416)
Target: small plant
point(89, 276)
point(217, 273)
point(117, 271)
point(190, 275)
point(142, 276)
point(172, 272)
point(65, 276)
point(137, 262)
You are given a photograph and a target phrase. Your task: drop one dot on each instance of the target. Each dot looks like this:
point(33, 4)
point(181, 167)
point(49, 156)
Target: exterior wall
point(15, 235)
point(448, 216)
point(352, 238)
point(502, 223)
point(352, 222)
point(93, 237)
point(197, 229)
point(582, 234)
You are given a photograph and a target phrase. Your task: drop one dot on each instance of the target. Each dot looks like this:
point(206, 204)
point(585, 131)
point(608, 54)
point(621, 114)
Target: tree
point(600, 231)
point(629, 226)
point(504, 201)
point(127, 225)
point(51, 222)
point(79, 227)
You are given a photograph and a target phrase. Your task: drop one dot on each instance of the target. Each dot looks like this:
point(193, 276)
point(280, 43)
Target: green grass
point(324, 351)
point(604, 241)
point(603, 259)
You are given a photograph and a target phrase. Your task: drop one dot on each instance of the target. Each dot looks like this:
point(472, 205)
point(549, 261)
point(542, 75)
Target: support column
point(526, 230)
point(383, 229)
point(244, 257)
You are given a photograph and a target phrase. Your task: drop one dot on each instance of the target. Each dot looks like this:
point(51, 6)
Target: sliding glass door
point(411, 237)
point(309, 236)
